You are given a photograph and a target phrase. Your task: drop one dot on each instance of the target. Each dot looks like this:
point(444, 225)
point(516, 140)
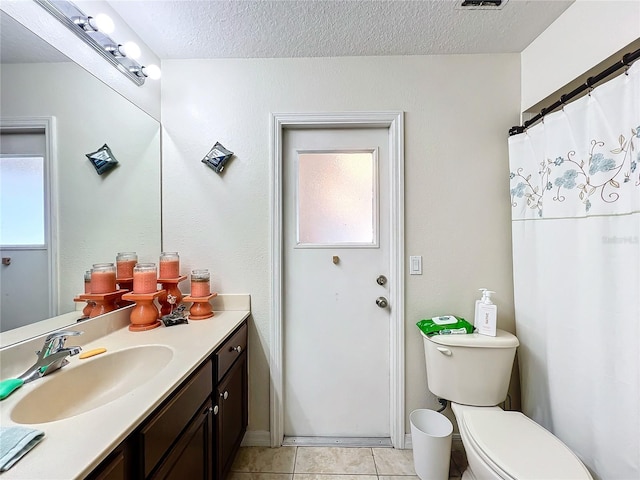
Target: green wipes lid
point(443, 325)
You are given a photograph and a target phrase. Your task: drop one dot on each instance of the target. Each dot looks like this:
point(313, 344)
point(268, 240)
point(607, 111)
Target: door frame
point(48, 124)
point(394, 122)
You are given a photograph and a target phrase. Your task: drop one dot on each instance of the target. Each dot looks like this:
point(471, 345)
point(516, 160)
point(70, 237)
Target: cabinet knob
point(215, 409)
point(225, 395)
point(237, 349)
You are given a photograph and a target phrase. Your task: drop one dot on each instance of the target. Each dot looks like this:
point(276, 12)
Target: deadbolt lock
point(381, 280)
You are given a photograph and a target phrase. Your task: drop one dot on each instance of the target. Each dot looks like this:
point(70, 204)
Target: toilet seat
point(515, 447)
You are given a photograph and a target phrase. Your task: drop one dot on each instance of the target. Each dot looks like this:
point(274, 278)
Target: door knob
point(381, 280)
point(382, 302)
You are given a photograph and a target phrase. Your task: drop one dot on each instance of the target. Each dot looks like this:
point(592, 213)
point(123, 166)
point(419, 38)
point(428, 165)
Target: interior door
point(336, 272)
point(24, 228)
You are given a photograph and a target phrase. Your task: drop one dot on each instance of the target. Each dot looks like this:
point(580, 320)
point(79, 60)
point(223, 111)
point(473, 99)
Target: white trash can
point(431, 438)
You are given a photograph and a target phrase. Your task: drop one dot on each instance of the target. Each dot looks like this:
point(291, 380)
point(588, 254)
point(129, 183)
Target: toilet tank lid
point(502, 339)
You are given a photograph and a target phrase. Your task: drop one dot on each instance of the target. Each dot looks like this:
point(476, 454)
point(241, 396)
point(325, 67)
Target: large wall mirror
point(93, 217)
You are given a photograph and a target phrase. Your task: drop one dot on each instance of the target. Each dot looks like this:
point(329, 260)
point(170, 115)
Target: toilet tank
point(470, 369)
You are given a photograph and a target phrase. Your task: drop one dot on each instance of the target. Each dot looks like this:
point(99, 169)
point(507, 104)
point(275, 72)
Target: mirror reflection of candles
point(86, 206)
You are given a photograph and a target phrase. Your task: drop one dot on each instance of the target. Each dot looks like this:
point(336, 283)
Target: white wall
point(458, 111)
point(587, 33)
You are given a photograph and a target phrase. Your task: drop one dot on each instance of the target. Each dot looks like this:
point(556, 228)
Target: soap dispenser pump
point(487, 315)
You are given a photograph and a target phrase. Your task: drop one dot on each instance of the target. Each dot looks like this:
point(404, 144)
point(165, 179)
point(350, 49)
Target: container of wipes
point(445, 325)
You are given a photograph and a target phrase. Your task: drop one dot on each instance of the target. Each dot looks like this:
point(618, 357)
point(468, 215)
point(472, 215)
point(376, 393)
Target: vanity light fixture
point(94, 31)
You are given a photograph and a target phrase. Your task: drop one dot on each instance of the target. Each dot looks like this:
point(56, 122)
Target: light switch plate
point(415, 265)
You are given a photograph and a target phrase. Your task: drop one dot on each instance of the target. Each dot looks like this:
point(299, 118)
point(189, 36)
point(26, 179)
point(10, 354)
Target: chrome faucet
point(53, 354)
point(52, 357)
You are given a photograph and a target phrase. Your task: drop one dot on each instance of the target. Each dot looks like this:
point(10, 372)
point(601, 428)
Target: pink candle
point(169, 265)
point(125, 261)
point(103, 278)
point(87, 281)
point(200, 286)
point(145, 278)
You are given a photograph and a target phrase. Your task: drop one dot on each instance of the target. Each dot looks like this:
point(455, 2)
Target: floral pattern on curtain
point(580, 161)
point(575, 197)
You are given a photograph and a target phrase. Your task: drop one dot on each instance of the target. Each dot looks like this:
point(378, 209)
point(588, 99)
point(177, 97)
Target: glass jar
point(87, 281)
point(125, 261)
point(103, 278)
point(169, 265)
point(145, 278)
point(200, 286)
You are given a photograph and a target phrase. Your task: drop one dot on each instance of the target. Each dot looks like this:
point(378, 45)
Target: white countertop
point(73, 447)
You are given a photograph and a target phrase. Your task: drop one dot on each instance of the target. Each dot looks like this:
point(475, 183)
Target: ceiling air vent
point(481, 4)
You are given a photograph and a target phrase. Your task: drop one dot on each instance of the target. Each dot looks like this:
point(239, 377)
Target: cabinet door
point(190, 458)
point(114, 468)
point(232, 414)
point(163, 428)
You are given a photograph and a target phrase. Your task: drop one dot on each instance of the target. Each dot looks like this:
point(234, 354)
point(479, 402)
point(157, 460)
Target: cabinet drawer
point(165, 426)
point(230, 350)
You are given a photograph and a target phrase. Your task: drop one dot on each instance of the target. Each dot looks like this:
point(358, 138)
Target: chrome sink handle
point(50, 363)
point(55, 342)
point(57, 360)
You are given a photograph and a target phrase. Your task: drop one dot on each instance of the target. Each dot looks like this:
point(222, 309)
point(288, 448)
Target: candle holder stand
point(86, 311)
point(144, 315)
point(172, 296)
point(125, 283)
point(201, 308)
point(104, 302)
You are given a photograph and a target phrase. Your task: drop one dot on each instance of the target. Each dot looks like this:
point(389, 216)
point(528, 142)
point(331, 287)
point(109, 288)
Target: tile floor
point(333, 463)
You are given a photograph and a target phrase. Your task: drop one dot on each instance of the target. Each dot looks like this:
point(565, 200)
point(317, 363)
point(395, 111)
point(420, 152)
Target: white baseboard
point(256, 438)
point(262, 438)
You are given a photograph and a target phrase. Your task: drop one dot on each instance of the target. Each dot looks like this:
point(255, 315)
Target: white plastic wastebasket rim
point(431, 423)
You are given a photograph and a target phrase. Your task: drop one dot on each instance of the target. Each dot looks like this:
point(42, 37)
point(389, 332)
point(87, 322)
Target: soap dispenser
point(487, 317)
point(476, 313)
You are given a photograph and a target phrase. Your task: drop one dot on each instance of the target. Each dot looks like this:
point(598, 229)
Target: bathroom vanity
point(186, 420)
point(198, 428)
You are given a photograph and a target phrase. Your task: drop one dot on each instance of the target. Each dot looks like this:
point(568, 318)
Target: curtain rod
point(627, 60)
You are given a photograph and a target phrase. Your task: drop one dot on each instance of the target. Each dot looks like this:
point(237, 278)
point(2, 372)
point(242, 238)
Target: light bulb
point(131, 50)
point(152, 71)
point(104, 23)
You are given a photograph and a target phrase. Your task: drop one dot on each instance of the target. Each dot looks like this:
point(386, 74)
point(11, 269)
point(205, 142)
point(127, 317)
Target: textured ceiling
point(178, 29)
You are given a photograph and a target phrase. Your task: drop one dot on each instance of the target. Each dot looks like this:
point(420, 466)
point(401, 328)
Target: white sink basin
point(91, 383)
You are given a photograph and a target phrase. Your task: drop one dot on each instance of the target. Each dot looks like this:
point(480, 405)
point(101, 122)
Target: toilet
point(473, 372)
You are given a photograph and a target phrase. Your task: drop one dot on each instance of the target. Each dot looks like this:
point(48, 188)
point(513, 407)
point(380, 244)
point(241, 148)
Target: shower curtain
point(575, 196)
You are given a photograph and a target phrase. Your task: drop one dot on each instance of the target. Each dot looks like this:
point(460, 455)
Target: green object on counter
point(7, 387)
point(445, 325)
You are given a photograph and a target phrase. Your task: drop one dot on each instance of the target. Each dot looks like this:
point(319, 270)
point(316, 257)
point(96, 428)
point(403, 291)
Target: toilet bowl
point(472, 372)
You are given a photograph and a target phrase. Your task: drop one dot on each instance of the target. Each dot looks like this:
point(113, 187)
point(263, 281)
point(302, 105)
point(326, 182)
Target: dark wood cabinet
point(163, 430)
point(114, 467)
point(168, 432)
point(191, 456)
point(232, 414)
point(196, 432)
point(230, 397)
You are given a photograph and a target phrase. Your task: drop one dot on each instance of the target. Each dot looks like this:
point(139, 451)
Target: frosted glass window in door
point(337, 198)
point(22, 200)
